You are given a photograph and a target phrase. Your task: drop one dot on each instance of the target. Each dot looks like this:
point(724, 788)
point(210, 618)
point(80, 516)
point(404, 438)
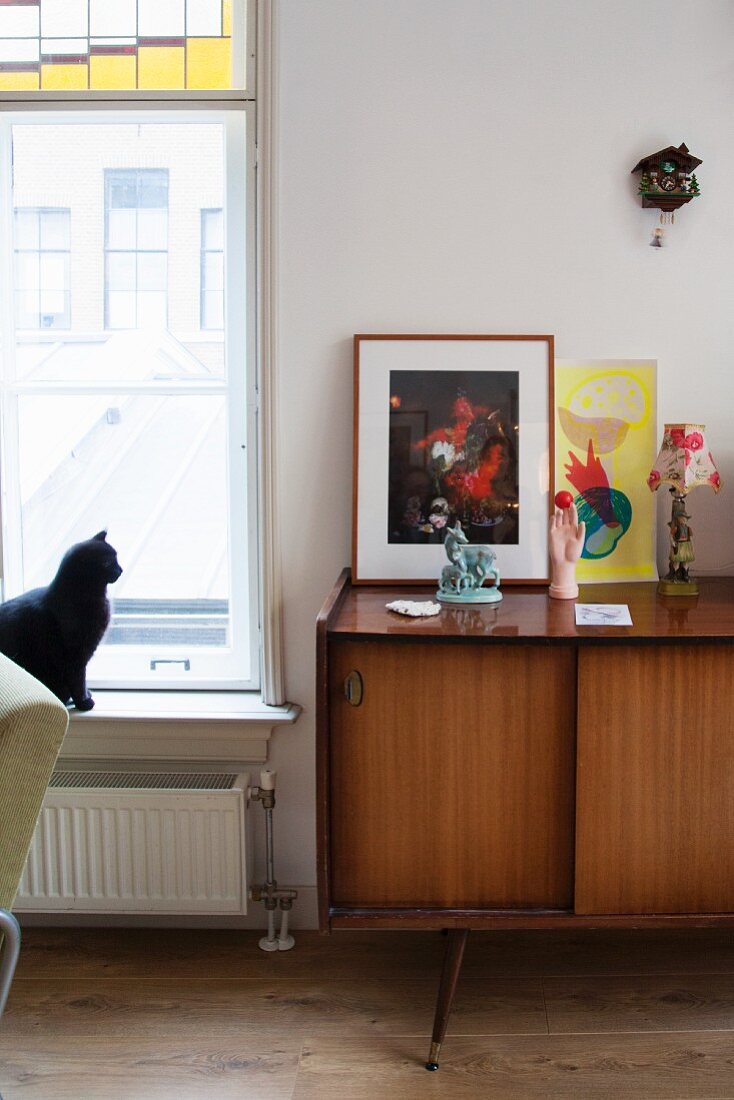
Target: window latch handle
point(171, 661)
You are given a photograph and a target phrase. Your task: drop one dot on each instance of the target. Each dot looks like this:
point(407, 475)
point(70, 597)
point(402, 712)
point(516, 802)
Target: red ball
point(564, 499)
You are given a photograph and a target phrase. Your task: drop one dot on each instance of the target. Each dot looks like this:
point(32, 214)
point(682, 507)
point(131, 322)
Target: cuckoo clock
point(668, 180)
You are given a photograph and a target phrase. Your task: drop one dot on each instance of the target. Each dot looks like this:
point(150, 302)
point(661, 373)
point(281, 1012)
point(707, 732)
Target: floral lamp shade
point(685, 460)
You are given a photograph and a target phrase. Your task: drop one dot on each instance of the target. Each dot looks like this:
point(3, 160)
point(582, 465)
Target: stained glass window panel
point(161, 66)
point(121, 44)
point(112, 71)
point(18, 21)
point(161, 18)
point(13, 79)
point(113, 17)
point(15, 51)
point(203, 19)
point(58, 77)
point(208, 62)
point(64, 18)
point(62, 49)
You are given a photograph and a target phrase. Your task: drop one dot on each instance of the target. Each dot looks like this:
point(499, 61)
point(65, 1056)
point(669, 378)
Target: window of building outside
point(136, 247)
point(42, 288)
point(212, 269)
point(127, 385)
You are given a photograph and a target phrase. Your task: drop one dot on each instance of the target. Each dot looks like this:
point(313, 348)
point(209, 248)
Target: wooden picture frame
point(486, 406)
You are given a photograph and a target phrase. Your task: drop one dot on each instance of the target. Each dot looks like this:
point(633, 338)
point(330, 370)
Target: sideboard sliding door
point(655, 774)
point(452, 783)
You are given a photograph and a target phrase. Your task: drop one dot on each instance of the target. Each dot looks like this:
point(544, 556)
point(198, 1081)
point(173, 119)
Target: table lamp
point(684, 461)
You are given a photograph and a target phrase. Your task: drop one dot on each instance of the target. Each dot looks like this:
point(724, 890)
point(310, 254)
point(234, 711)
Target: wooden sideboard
point(507, 768)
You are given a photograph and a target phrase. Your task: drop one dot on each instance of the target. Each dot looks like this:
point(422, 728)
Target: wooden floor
point(157, 1015)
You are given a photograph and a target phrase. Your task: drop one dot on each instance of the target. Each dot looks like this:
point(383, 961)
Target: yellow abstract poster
point(605, 443)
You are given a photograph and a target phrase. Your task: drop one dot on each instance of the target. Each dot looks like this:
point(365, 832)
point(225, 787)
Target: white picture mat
point(375, 557)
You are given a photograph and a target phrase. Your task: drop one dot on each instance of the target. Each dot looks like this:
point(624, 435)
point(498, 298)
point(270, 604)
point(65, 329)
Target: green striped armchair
point(32, 726)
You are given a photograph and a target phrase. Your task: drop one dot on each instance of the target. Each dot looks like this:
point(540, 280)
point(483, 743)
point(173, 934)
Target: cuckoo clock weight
point(668, 181)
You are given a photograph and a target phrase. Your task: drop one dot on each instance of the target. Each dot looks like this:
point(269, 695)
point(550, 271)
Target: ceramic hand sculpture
point(566, 543)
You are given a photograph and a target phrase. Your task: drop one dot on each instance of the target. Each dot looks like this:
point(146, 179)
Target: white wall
point(464, 166)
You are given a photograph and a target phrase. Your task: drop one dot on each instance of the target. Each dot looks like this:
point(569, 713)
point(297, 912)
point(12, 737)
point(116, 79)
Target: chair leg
point(10, 928)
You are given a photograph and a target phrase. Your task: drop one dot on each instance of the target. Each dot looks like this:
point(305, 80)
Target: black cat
point(53, 632)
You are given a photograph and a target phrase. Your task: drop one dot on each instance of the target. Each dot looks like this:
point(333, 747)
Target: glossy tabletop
point(528, 613)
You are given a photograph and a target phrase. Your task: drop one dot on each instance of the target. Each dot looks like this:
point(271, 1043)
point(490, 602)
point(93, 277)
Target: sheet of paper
point(603, 614)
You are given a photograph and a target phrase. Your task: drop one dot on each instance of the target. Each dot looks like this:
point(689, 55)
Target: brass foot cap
point(432, 1062)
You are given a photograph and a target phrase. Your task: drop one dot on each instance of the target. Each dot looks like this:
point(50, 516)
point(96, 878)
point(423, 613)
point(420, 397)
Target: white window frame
point(240, 388)
point(261, 261)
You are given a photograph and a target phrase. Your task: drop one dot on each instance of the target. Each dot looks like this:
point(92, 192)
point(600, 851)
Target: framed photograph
point(447, 429)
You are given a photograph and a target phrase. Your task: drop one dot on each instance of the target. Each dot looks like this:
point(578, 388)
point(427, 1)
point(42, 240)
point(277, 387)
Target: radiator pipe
point(285, 942)
point(269, 942)
point(269, 894)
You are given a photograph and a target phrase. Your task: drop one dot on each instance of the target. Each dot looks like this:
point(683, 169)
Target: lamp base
point(678, 588)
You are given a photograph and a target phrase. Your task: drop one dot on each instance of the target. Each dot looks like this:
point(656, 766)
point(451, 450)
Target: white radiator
point(110, 842)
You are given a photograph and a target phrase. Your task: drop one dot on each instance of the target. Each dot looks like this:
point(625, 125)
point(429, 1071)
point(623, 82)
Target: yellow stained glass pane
point(63, 76)
point(160, 67)
point(208, 63)
point(112, 71)
point(18, 82)
point(227, 18)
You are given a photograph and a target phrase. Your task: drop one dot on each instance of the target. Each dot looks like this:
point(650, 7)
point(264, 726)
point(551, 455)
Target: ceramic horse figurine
point(455, 577)
point(462, 579)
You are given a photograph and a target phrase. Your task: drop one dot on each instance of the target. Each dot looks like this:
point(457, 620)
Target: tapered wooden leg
point(453, 958)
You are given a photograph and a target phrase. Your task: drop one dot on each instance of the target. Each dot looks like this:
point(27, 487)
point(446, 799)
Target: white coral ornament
point(415, 609)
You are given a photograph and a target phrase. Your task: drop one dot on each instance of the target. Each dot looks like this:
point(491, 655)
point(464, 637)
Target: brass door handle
point(354, 688)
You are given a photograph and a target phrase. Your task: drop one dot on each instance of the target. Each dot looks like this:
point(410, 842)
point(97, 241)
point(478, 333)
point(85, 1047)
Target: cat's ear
point(101, 536)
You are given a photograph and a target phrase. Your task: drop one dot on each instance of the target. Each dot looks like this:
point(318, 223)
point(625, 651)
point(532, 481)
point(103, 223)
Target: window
point(136, 411)
point(136, 247)
point(212, 269)
point(120, 44)
point(42, 268)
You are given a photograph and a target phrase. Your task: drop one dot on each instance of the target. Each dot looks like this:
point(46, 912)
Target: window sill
point(208, 729)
